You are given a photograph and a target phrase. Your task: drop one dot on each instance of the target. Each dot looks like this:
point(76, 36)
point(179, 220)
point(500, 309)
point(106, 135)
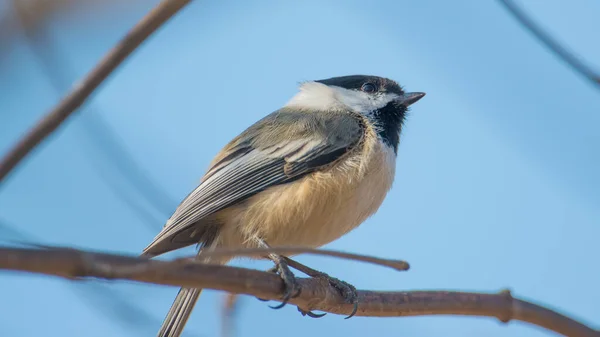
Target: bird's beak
point(410, 98)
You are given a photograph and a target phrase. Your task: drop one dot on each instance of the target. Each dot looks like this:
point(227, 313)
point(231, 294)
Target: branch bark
point(315, 294)
point(80, 93)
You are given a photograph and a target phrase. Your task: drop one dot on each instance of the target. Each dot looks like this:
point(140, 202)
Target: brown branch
point(315, 294)
point(79, 94)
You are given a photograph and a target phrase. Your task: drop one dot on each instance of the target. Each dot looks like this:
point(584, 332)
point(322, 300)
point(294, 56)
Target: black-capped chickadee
point(304, 175)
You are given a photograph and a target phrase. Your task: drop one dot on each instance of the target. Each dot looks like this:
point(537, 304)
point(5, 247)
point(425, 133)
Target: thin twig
point(550, 43)
point(314, 295)
point(398, 265)
point(80, 93)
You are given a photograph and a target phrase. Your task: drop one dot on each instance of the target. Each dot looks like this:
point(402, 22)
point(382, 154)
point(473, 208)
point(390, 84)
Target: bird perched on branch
point(304, 175)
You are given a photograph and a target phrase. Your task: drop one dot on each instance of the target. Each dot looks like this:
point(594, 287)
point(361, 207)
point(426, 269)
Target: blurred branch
point(315, 295)
point(79, 94)
point(230, 305)
point(42, 11)
point(554, 46)
point(98, 131)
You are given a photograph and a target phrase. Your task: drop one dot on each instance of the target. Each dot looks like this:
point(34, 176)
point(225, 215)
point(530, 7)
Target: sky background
point(497, 183)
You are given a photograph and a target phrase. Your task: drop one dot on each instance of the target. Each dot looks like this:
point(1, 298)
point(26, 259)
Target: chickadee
point(304, 175)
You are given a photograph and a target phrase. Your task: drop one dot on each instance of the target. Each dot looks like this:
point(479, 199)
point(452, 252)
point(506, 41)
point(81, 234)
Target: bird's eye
point(368, 88)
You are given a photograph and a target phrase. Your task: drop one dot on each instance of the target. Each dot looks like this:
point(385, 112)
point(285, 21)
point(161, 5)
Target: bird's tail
point(181, 309)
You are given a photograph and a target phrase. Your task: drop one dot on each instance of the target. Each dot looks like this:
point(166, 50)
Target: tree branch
point(550, 43)
point(80, 93)
point(316, 294)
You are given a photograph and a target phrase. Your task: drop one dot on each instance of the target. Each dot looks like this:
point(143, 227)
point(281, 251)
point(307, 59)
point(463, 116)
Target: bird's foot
point(291, 286)
point(345, 289)
point(292, 289)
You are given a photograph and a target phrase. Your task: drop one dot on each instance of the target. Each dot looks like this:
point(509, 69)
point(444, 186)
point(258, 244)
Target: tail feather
point(180, 311)
point(182, 306)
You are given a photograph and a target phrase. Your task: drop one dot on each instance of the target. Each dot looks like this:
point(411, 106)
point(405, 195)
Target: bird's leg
point(347, 290)
point(282, 265)
point(282, 268)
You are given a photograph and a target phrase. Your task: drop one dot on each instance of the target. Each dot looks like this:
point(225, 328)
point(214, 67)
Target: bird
point(304, 175)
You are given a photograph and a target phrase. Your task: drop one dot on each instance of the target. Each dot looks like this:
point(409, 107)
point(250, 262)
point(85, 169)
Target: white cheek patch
point(314, 96)
point(362, 102)
point(318, 96)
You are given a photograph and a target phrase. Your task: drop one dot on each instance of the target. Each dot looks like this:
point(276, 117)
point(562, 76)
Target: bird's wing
point(258, 158)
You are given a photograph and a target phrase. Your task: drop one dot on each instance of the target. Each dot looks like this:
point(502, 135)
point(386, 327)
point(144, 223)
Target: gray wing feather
point(257, 159)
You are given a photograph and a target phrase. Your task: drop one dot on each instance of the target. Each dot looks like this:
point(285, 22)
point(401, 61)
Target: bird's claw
point(310, 313)
point(345, 289)
point(291, 285)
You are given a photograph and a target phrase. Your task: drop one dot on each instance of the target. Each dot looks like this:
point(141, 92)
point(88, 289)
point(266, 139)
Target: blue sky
point(497, 183)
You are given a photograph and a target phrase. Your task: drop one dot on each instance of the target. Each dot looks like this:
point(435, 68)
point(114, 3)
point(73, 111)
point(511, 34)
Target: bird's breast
point(319, 207)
